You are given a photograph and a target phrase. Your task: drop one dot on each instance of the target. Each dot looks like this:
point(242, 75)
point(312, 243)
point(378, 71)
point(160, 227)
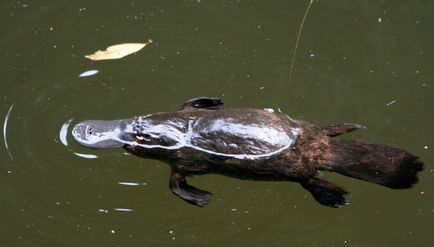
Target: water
point(367, 62)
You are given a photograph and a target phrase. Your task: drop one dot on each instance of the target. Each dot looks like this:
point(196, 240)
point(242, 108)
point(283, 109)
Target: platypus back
point(376, 163)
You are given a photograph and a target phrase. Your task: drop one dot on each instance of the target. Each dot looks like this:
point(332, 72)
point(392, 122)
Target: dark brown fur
point(376, 163)
point(316, 149)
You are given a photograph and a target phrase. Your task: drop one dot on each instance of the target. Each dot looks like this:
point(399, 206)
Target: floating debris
point(117, 51)
point(172, 235)
point(391, 102)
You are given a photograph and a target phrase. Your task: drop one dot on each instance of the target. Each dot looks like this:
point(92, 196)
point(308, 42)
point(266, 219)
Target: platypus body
point(255, 144)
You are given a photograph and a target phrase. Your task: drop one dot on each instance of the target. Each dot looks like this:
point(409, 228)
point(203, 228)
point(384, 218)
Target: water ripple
point(63, 138)
point(5, 125)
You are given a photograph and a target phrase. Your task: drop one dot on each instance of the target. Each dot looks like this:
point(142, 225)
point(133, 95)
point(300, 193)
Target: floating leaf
point(117, 51)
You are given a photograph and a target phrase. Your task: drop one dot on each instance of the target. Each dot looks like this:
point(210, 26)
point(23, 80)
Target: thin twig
point(291, 70)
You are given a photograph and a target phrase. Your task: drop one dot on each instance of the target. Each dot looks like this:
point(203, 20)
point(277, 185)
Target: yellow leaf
point(117, 51)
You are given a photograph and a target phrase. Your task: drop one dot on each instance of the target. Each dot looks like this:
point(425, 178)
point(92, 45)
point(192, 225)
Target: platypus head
point(103, 134)
point(140, 133)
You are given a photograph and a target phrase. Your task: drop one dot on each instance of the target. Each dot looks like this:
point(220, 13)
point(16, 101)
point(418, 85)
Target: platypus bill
point(255, 144)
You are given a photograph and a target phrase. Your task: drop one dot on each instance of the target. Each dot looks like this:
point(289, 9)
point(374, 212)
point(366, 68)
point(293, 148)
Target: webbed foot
point(338, 129)
point(326, 193)
point(179, 186)
point(203, 103)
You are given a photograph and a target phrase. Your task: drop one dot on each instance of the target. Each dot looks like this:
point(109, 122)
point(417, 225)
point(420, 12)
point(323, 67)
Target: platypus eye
point(143, 137)
point(90, 131)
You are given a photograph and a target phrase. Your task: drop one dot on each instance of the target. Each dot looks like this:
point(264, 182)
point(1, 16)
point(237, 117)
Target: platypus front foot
point(179, 186)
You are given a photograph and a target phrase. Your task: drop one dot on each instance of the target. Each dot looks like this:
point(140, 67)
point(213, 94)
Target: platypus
point(255, 144)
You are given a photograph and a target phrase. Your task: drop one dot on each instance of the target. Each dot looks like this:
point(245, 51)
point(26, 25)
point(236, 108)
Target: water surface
point(368, 62)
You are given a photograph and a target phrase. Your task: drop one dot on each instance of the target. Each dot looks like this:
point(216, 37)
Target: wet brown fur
point(315, 149)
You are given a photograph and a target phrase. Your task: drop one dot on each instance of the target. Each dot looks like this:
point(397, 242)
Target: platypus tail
point(376, 163)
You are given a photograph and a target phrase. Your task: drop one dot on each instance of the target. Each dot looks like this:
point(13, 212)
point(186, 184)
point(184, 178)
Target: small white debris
point(113, 231)
point(422, 192)
point(102, 210)
point(270, 110)
point(391, 102)
point(426, 147)
point(233, 210)
point(172, 235)
point(312, 55)
point(89, 73)
point(379, 19)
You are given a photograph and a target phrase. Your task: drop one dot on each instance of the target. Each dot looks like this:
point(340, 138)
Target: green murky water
point(368, 62)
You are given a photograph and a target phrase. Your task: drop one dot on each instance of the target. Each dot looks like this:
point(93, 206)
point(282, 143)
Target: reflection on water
point(5, 126)
point(131, 183)
point(101, 210)
point(89, 73)
point(64, 131)
point(86, 156)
